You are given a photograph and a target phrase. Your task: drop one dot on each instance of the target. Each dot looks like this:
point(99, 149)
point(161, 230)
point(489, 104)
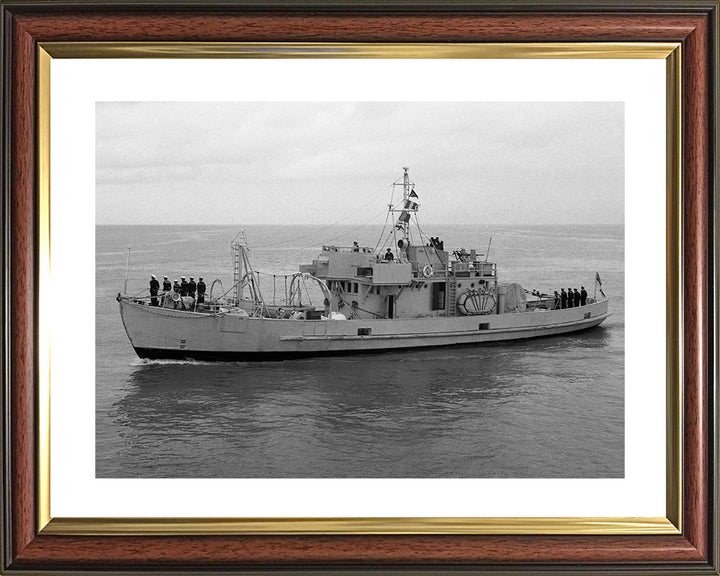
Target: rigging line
point(387, 216)
point(307, 293)
point(392, 197)
point(226, 292)
point(327, 226)
point(344, 234)
point(354, 311)
point(423, 236)
point(386, 239)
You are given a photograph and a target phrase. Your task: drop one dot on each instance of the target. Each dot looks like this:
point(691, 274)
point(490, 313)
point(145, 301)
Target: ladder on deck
point(451, 298)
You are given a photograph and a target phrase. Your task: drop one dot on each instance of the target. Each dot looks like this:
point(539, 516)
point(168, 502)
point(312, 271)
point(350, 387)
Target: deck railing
point(360, 249)
point(486, 269)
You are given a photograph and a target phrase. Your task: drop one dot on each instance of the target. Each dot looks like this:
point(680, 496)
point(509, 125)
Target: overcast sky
point(318, 163)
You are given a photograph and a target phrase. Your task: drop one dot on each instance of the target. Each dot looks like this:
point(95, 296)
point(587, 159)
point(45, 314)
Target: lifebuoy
point(428, 271)
point(460, 305)
point(176, 297)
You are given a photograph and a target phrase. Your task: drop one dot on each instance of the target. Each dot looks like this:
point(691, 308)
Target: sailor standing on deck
point(166, 289)
point(563, 298)
point(571, 298)
point(176, 290)
point(556, 304)
point(154, 287)
point(389, 256)
point(192, 287)
point(583, 296)
point(201, 291)
point(183, 287)
point(577, 298)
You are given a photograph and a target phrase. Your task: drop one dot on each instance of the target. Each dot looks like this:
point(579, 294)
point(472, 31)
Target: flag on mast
point(598, 284)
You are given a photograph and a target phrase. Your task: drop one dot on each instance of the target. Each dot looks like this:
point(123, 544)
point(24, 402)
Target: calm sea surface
point(546, 408)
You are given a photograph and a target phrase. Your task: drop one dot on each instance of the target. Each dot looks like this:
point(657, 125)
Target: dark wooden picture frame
point(27, 24)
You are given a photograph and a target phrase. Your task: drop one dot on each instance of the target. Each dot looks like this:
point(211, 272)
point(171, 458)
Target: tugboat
point(412, 295)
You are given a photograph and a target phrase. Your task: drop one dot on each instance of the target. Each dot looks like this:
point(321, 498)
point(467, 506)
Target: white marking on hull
point(495, 331)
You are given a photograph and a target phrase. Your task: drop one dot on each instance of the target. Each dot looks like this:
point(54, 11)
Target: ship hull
point(165, 333)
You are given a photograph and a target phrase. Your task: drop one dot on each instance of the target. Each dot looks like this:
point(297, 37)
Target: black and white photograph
point(360, 289)
point(318, 287)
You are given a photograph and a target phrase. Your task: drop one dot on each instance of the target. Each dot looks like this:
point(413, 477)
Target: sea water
point(545, 408)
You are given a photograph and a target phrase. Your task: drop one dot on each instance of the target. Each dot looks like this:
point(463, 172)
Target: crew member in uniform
point(583, 296)
point(201, 291)
point(176, 289)
point(577, 298)
point(571, 298)
point(192, 287)
point(556, 304)
point(183, 287)
point(389, 256)
point(154, 287)
point(167, 288)
point(563, 298)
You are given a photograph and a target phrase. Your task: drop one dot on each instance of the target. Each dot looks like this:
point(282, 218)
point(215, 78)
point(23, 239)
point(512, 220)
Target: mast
point(405, 209)
point(406, 183)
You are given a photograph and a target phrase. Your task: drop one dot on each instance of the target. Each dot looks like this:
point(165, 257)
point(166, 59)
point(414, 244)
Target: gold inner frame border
point(670, 524)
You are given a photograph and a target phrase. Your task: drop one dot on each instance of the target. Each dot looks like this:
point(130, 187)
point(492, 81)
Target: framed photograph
point(351, 287)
